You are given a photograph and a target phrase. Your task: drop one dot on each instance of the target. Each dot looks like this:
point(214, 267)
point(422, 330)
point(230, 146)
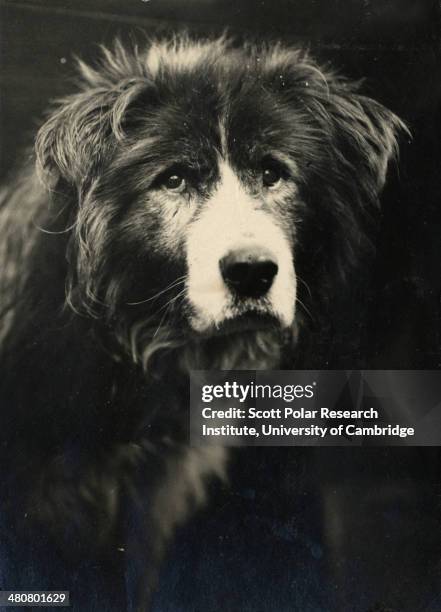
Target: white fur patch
point(234, 219)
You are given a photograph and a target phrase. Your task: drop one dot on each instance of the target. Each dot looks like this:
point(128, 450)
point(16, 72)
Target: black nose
point(249, 272)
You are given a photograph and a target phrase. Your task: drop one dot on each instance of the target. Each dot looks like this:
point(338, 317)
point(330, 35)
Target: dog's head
point(210, 183)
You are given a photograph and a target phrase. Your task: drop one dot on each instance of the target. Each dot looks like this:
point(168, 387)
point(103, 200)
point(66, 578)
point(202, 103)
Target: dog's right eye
point(174, 182)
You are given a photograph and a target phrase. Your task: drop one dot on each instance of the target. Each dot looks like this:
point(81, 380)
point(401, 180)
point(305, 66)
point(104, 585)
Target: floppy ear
point(84, 127)
point(356, 132)
point(348, 138)
point(360, 135)
point(365, 133)
point(75, 138)
point(361, 138)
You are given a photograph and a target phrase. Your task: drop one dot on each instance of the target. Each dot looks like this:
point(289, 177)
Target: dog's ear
point(83, 129)
point(365, 133)
point(75, 138)
point(360, 134)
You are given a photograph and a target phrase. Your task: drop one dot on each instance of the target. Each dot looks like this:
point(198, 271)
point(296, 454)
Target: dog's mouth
point(250, 321)
point(249, 340)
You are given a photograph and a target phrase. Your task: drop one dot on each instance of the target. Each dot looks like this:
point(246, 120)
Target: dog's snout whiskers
point(176, 283)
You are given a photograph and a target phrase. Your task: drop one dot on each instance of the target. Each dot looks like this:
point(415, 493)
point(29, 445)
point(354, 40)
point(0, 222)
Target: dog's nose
point(249, 272)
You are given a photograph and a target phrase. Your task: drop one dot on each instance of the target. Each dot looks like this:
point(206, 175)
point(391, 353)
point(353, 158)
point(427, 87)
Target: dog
point(197, 204)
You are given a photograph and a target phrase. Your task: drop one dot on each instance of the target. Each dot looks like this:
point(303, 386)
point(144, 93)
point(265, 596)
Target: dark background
point(337, 529)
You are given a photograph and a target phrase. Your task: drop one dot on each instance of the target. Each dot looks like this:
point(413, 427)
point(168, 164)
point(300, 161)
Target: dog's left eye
point(174, 182)
point(271, 176)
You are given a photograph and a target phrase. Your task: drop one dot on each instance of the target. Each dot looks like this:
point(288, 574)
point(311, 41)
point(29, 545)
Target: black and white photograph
point(237, 188)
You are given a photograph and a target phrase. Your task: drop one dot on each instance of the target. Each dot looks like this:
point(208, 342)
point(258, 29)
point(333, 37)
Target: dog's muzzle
point(239, 259)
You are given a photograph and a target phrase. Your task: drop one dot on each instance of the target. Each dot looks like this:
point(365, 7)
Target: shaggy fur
point(95, 340)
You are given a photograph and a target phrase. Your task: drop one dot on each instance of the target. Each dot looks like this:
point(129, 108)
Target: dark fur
point(93, 386)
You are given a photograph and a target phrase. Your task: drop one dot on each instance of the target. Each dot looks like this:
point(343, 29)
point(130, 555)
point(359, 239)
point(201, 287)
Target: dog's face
point(232, 222)
point(222, 206)
point(209, 180)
